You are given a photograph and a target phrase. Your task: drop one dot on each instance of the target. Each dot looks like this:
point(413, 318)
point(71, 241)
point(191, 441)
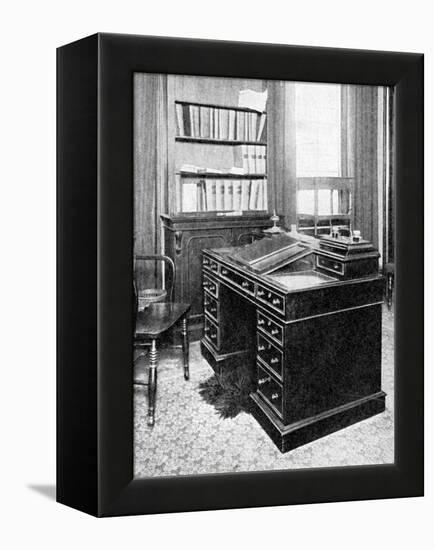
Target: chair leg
point(152, 383)
point(185, 347)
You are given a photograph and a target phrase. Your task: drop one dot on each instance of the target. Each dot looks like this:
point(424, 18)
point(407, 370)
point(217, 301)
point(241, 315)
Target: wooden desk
point(310, 340)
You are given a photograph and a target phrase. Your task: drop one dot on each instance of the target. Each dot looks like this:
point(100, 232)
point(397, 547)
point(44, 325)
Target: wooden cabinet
point(184, 239)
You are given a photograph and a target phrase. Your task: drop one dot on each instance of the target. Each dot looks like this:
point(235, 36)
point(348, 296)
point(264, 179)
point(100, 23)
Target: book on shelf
point(206, 122)
point(241, 154)
point(265, 195)
point(224, 124)
point(210, 194)
point(189, 196)
point(245, 195)
point(209, 171)
point(220, 193)
point(253, 100)
point(200, 195)
point(240, 126)
point(250, 158)
point(260, 196)
point(237, 191)
point(195, 123)
point(211, 123)
point(253, 119)
point(262, 128)
point(179, 120)
point(184, 113)
point(231, 124)
point(253, 194)
point(260, 159)
point(228, 195)
point(237, 171)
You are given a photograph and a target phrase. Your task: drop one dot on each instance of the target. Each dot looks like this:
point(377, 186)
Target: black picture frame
point(94, 272)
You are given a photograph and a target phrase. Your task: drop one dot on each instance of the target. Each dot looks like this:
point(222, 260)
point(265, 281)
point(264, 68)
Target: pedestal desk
point(305, 325)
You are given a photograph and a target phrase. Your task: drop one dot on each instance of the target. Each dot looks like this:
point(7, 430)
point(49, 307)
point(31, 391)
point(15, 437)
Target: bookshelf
point(230, 142)
point(217, 179)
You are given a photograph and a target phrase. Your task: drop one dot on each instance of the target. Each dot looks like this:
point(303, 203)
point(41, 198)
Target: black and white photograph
point(264, 238)
point(216, 295)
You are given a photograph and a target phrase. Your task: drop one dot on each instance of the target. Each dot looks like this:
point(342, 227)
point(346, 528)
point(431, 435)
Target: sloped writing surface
point(267, 254)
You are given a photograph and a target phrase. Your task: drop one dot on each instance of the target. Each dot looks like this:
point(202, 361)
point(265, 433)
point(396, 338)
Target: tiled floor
point(190, 437)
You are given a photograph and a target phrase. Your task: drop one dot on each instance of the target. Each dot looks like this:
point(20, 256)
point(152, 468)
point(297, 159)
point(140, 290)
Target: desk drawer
point(271, 298)
point(237, 279)
point(210, 306)
point(270, 327)
point(335, 266)
point(211, 286)
point(270, 355)
point(212, 333)
point(213, 266)
point(271, 390)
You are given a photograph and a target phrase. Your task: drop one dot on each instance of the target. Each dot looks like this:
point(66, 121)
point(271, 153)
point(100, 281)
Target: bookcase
point(239, 182)
point(218, 190)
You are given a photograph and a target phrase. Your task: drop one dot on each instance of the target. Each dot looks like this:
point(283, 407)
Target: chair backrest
point(169, 273)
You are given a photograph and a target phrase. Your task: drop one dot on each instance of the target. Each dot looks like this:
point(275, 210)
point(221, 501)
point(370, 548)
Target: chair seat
point(159, 317)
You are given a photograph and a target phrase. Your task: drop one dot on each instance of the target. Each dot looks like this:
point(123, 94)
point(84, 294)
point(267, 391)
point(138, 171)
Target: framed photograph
point(240, 275)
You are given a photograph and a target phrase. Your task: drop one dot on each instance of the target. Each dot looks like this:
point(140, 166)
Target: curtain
point(281, 150)
point(150, 168)
point(360, 155)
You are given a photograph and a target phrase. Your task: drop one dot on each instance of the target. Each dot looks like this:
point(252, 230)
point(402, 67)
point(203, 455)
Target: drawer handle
point(261, 348)
point(244, 284)
point(274, 331)
point(261, 322)
point(206, 329)
point(274, 396)
point(263, 381)
point(336, 266)
point(276, 301)
point(225, 271)
point(205, 261)
point(269, 295)
point(274, 360)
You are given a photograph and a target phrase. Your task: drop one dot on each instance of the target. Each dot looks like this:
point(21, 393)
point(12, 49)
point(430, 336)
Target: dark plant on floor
point(230, 394)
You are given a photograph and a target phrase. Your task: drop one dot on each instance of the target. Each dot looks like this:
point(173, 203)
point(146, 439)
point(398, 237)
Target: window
point(318, 129)
point(323, 197)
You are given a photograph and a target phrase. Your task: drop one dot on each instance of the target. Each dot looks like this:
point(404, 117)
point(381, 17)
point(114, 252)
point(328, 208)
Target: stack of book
point(210, 195)
point(251, 158)
point(205, 122)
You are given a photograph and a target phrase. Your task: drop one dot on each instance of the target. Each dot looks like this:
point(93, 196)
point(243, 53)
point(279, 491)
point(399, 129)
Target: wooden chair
point(153, 319)
point(148, 295)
